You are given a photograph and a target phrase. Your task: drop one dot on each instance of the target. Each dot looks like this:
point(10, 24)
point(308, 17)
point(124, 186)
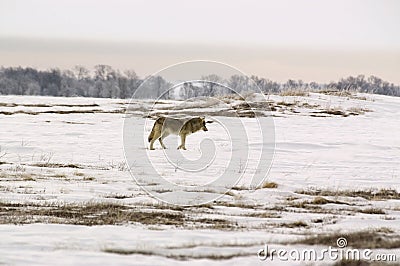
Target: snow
point(335, 153)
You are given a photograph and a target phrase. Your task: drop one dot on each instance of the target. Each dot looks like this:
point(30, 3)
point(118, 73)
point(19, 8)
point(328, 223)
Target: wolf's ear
point(202, 118)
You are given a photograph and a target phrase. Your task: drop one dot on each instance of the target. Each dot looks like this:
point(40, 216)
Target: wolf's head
point(203, 123)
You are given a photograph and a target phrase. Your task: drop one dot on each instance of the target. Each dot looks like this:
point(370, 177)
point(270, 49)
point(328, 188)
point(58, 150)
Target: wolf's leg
point(183, 140)
point(155, 137)
point(151, 144)
point(163, 136)
point(162, 144)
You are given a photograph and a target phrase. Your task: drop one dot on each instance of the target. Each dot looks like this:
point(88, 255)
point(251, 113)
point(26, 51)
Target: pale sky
point(301, 39)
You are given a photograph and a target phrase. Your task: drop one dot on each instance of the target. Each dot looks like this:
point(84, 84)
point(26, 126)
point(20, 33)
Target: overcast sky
point(307, 39)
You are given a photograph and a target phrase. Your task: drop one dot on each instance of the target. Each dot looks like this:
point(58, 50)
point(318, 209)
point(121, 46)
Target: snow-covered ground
point(336, 167)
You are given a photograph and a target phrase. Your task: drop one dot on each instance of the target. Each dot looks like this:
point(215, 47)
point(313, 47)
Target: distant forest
point(105, 82)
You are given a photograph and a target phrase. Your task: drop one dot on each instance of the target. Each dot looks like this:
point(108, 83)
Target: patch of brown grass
point(358, 110)
point(306, 204)
point(230, 193)
point(269, 185)
point(321, 201)
point(57, 165)
point(372, 239)
point(336, 92)
point(332, 112)
point(65, 112)
point(212, 223)
point(294, 93)
point(263, 214)
point(120, 251)
point(79, 173)
point(309, 106)
point(180, 257)
point(92, 213)
point(240, 188)
point(119, 196)
point(294, 224)
point(60, 176)
point(16, 175)
point(237, 204)
point(362, 263)
point(292, 198)
point(108, 213)
point(382, 194)
point(372, 211)
point(233, 97)
point(282, 103)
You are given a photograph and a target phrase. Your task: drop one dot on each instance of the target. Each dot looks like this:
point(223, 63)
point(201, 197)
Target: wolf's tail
point(159, 121)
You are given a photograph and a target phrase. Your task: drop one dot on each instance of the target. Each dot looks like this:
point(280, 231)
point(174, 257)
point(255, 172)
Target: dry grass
point(294, 224)
point(358, 110)
point(92, 213)
point(382, 194)
point(372, 239)
point(230, 193)
point(8, 105)
point(242, 106)
point(309, 106)
point(321, 201)
point(56, 165)
point(282, 103)
point(181, 257)
point(342, 93)
point(302, 205)
point(237, 204)
point(62, 176)
point(65, 112)
point(362, 263)
point(108, 213)
point(17, 112)
point(294, 93)
point(47, 105)
point(263, 214)
point(76, 173)
point(341, 112)
point(120, 251)
point(239, 188)
point(334, 111)
point(292, 198)
point(313, 204)
point(269, 185)
point(212, 223)
point(363, 98)
point(164, 206)
point(372, 211)
point(119, 196)
point(16, 173)
point(162, 190)
point(232, 97)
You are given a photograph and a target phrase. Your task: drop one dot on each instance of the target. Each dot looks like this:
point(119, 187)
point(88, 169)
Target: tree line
point(105, 82)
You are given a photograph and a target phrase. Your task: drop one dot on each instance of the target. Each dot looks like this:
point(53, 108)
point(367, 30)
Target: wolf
point(165, 126)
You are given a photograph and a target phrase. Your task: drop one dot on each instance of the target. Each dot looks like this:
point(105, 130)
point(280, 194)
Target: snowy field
point(67, 196)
